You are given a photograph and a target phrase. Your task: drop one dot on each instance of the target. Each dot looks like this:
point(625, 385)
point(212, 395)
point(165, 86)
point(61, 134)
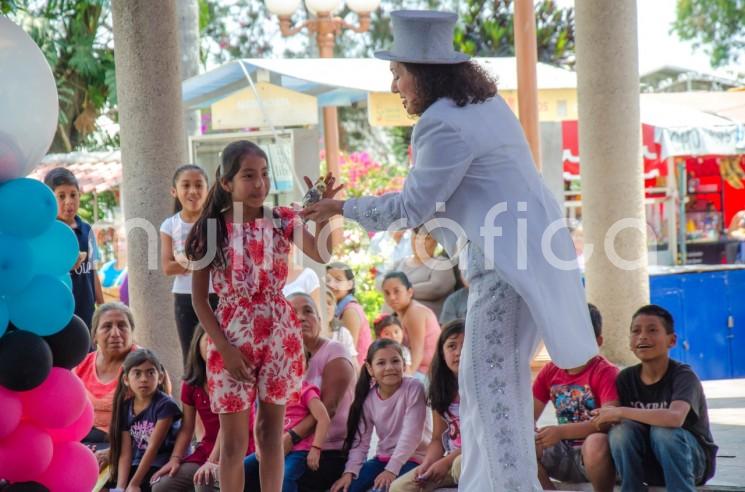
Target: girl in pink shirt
point(306, 453)
point(195, 469)
point(441, 466)
point(395, 407)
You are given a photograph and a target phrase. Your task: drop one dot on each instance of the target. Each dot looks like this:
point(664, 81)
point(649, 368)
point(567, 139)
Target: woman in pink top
point(420, 323)
point(395, 407)
point(340, 279)
point(112, 327)
point(330, 368)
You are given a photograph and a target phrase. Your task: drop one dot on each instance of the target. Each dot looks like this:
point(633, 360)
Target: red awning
point(653, 165)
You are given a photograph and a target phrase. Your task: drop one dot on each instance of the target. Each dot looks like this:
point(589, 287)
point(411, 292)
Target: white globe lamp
point(323, 6)
point(282, 8)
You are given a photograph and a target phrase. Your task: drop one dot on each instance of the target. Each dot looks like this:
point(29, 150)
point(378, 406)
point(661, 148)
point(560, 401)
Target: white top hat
point(423, 36)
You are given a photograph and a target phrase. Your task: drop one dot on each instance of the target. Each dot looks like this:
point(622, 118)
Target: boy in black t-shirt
point(663, 435)
point(86, 287)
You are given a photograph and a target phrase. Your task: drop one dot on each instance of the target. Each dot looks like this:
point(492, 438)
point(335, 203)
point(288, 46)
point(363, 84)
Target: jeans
point(295, 465)
point(656, 456)
point(370, 471)
point(330, 469)
point(183, 481)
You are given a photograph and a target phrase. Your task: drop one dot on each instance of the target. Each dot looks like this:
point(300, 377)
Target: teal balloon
point(28, 207)
point(15, 264)
point(4, 317)
point(55, 250)
point(44, 307)
point(67, 280)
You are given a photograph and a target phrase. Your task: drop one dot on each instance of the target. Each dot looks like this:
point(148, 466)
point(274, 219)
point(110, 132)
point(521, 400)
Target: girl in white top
point(337, 331)
point(190, 192)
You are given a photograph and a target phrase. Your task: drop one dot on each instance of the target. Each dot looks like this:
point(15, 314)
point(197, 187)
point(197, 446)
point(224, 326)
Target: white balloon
point(28, 102)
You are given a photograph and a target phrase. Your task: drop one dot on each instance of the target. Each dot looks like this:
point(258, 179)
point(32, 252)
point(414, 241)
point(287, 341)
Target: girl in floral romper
point(255, 341)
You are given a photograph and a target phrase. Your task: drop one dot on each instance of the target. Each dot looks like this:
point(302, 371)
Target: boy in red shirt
point(574, 451)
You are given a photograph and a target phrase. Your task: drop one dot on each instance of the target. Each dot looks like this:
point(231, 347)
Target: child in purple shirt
point(395, 406)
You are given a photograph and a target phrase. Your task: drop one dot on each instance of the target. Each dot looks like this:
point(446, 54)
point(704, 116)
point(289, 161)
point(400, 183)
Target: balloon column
point(44, 409)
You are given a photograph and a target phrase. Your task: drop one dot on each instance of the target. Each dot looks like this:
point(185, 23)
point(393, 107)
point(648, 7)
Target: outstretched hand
point(327, 207)
point(329, 180)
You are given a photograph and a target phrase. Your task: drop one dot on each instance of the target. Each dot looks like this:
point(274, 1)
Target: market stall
point(694, 179)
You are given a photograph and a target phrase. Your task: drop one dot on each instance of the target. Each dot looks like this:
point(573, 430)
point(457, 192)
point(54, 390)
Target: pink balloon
point(77, 430)
point(73, 468)
point(25, 454)
point(57, 402)
point(10, 412)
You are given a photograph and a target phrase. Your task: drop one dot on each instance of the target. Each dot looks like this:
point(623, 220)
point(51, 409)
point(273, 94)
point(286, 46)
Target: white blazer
point(474, 178)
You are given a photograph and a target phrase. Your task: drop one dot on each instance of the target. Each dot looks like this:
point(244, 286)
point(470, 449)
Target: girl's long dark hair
point(356, 422)
point(196, 366)
point(443, 385)
point(177, 207)
point(464, 83)
point(218, 201)
point(121, 395)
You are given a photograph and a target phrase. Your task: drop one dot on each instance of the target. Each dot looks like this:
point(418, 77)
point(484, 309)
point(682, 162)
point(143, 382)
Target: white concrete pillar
point(146, 50)
point(611, 166)
point(188, 15)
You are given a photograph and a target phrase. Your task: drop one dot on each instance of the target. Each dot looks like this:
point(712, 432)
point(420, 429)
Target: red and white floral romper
point(255, 316)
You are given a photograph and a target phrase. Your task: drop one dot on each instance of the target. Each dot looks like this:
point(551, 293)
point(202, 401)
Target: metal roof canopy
point(341, 81)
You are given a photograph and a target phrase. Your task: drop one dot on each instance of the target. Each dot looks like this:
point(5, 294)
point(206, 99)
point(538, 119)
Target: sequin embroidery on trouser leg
point(494, 377)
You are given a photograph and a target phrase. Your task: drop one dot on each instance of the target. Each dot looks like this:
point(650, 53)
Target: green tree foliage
point(76, 38)
point(107, 200)
point(485, 28)
point(242, 29)
point(717, 26)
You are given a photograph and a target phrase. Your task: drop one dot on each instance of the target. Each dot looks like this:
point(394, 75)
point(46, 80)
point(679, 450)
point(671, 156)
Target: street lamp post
point(325, 25)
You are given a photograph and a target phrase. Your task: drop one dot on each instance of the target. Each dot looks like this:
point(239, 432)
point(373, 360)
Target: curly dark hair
point(464, 83)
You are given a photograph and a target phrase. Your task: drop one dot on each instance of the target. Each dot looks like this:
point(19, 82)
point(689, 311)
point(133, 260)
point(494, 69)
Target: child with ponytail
point(255, 341)
point(441, 465)
point(395, 407)
point(189, 191)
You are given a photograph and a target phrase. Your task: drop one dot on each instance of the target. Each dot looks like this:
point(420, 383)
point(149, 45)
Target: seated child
point(662, 436)
point(389, 326)
point(144, 425)
point(197, 470)
point(394, 407)
point(305, 453)
point(441, 465)
point(574, 451)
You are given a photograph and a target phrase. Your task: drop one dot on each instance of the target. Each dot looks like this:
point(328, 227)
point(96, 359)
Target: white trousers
point(496, 406)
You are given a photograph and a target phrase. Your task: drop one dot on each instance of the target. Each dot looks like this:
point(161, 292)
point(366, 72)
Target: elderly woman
point(474, 186)
point(112, 327)
point(331, 368)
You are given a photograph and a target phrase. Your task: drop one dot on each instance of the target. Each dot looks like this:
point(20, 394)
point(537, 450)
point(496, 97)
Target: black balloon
point(25, 360)
point(70, 345)
point(25, 487)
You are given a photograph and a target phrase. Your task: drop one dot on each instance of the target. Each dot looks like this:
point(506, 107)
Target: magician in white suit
point(475, 187)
